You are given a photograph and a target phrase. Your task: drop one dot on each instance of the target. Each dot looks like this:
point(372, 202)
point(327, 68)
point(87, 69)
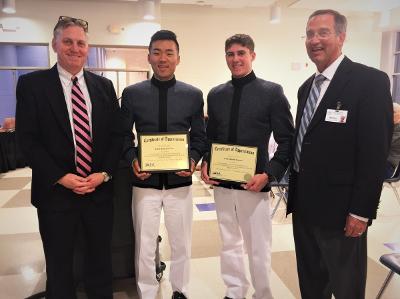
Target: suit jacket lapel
point(97, 106)
point(330, 99)
point(303, 100)
point(56, 98)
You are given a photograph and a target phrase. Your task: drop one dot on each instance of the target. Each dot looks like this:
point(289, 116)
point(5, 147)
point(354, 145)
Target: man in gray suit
point(244, 111)
point(163, 104)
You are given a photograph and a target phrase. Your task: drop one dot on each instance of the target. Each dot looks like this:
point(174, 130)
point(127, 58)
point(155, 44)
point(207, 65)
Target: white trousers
point(178, 215)
point(244, 220)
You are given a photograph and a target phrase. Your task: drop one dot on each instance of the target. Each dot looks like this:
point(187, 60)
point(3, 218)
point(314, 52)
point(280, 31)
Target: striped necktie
point(83, 139)
point(306, 118)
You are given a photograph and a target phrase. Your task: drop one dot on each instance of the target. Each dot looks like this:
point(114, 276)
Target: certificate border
point(143, 134)
point(228, 144)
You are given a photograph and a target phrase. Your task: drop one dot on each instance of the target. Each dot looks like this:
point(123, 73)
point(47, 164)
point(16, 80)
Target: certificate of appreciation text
point(233, 163)
point(164, 152)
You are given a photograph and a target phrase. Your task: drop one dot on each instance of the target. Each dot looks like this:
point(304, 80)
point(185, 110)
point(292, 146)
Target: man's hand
point(257, 182)
point(204, 175)
point(354, 227)
point(94, 180)
point(71, 181)
point(136, 170)
point(75, 183)
point(187, 173)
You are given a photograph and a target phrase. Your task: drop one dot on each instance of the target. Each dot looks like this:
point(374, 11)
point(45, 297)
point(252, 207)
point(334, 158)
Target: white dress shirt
point(328, 73)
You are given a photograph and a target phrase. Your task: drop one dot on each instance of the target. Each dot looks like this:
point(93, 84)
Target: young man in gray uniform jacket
point(163, 104)
point(244, 111)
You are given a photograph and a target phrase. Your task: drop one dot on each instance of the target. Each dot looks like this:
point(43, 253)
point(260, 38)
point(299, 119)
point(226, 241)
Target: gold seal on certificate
point(233, 163)
point(164, 152)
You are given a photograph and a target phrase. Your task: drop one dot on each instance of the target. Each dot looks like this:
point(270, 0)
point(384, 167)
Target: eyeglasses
point(322, 34)
point(82, 23)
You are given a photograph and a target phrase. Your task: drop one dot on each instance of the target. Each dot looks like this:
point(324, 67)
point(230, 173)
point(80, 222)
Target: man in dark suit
point(69, 133)
point(343, 133)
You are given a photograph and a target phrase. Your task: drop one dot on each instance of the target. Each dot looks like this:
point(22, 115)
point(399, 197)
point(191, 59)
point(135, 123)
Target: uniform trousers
point(177, 205)
point(244, 222)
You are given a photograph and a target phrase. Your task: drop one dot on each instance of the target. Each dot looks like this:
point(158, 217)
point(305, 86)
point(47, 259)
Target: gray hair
point(340, 20)
point(65, 22)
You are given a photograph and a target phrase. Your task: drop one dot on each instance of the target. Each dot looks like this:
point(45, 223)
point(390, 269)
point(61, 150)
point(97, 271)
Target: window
point(122, 65)
point(16, 60)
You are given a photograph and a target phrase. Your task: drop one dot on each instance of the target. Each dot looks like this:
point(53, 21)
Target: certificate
point(233, 163)
point(164, 152)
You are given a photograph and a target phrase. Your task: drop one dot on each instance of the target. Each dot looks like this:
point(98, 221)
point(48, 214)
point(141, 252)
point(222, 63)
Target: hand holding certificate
point(164, 152)
point(234, 163)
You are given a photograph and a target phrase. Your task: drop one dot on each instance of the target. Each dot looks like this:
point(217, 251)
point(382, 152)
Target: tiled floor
point(22, 262)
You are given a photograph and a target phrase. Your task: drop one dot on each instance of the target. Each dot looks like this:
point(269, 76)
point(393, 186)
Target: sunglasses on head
point(64, 19)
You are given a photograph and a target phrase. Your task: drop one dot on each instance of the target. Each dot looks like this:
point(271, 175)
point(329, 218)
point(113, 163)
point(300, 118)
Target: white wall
point(201, 32)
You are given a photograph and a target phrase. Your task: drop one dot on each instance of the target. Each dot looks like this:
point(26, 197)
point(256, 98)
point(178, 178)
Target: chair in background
point(392, 180)
point(283, 188)
point(392, 261)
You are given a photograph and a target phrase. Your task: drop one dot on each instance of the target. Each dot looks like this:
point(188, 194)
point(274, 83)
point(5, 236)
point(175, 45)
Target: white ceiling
point(349, 5)
point(223, 3)
point(341, 5)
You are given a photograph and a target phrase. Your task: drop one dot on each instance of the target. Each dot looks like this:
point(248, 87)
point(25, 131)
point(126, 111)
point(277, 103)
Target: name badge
point(336, 116)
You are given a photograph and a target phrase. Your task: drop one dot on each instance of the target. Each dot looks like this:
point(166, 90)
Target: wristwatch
point(107, 177)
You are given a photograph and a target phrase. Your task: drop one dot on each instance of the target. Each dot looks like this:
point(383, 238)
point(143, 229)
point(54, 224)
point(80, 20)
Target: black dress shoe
point(226, 297)
point(178, 295)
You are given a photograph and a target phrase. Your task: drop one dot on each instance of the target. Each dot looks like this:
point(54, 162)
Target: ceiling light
point(275, 14)
point(8, 6)
point(149, 8)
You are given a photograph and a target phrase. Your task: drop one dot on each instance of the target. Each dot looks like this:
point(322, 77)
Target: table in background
point(10, 154)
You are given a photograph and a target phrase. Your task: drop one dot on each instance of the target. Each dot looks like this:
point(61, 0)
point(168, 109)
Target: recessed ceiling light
point(9, 6)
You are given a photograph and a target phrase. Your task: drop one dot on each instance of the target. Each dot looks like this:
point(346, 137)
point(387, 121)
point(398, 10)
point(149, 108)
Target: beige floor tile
point(282, 239)
point(203, 216)
point(279, 289)
point(21, 253)
point(21, 256)
point(18, 286)
point(392, 291)
point(6, 195)
point(21, 199)
point(18, 220)
point(21, 172)
point(284, 265)
point(205, 240)
point(28, 186)
point(13, 183)
point(200, 190)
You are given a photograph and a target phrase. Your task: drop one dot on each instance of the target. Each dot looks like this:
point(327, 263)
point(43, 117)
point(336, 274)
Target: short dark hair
point(164, 35)
point(241, 39)
point(340, 20)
